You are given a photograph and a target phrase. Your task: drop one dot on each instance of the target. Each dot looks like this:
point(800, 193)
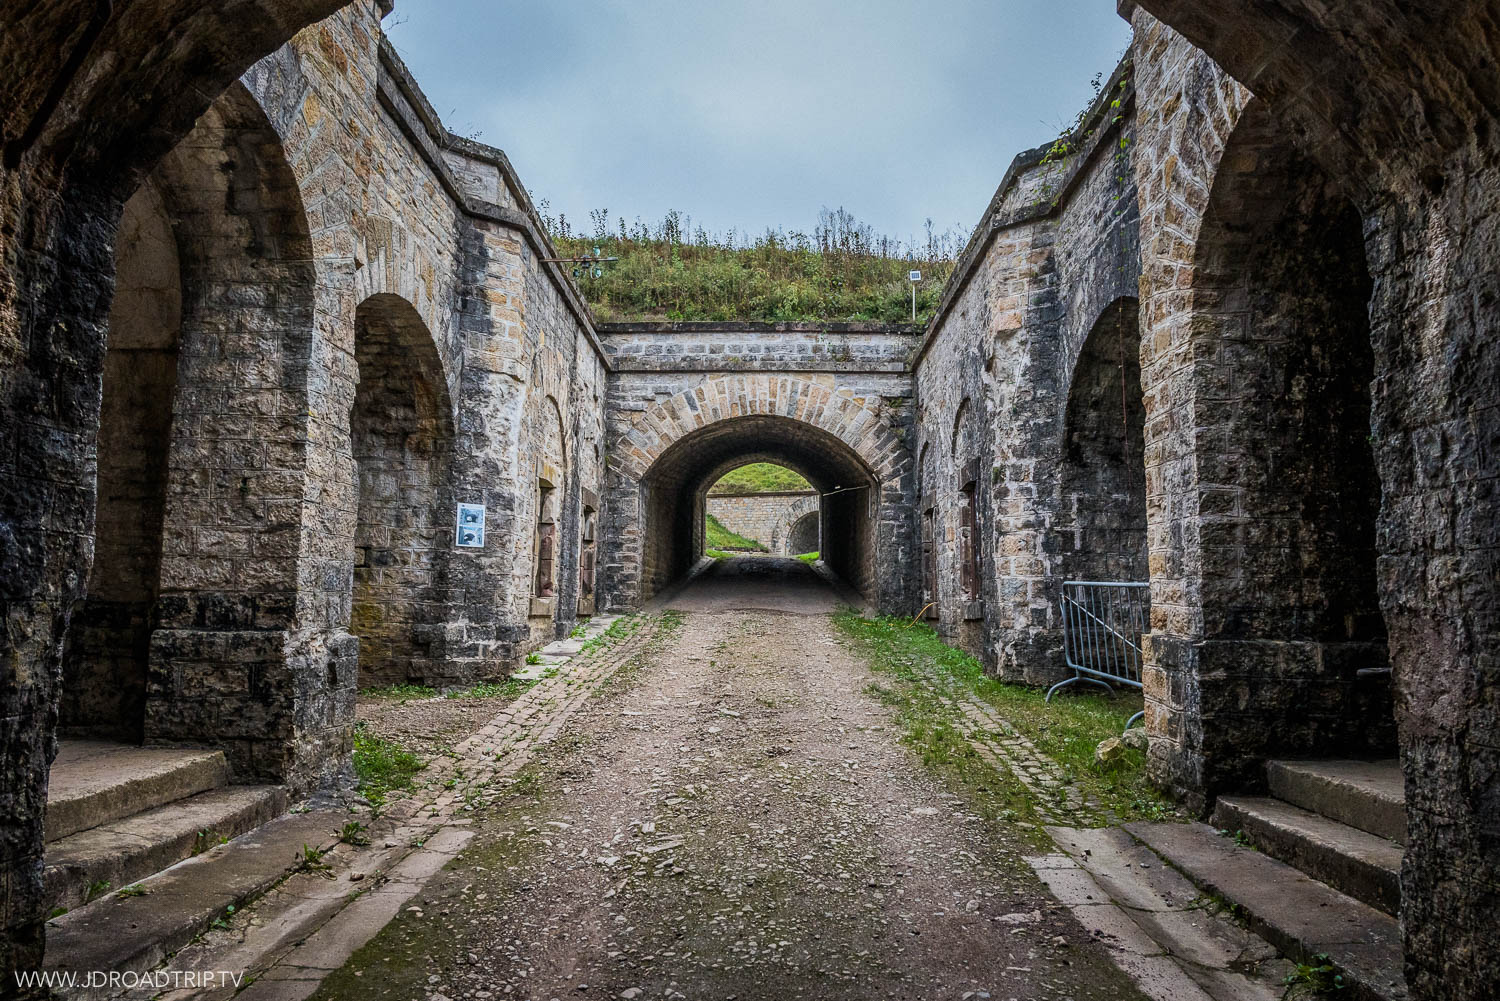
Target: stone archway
point(663, 462)
point(802, 535)
point(1277, 625)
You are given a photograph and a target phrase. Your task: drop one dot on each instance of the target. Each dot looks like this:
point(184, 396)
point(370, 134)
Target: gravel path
point(429, 725)
point(738, 822)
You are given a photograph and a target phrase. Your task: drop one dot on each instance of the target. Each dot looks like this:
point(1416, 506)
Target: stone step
point(95, 782)
point(121, 852)
point(1369, 795)
point(1366, 867)
point(1294, 912)
point(137, 932)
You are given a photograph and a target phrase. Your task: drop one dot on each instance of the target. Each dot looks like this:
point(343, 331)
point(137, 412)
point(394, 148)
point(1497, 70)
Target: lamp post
point(914, 277)
point(585, 265)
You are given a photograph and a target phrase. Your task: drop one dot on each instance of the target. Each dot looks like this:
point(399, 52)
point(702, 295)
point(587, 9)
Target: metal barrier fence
point(1102, 626)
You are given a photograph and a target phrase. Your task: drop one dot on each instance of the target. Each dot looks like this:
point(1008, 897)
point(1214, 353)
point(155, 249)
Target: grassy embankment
point(759, 478)
point(717, 538)
point(671, 270)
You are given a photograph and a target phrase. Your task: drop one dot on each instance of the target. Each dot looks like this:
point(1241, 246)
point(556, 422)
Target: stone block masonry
point(690, 401)
point(264, 322)
point(774, 520)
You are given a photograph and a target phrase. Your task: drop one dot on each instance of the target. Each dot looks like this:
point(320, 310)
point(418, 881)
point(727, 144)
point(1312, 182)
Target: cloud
point(750, 115)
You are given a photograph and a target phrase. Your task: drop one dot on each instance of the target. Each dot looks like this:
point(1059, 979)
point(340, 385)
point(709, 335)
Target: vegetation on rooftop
point(673, 270)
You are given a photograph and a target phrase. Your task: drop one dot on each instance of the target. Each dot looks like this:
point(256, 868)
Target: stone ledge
point(1300, 916)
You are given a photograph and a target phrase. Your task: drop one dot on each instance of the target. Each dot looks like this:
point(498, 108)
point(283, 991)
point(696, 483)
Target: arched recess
point(401, 433)
point(236, 499)
point(1291, 655)
point(797, 511)
point(201, 465)
point(550, 486)
point(106, 657)
point(1102, 518)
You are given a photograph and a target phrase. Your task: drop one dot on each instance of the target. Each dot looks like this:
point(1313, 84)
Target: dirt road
point(738, 820)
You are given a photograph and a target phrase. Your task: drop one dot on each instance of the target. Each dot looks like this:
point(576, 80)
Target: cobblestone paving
point(1000, 745)
point(506, 743)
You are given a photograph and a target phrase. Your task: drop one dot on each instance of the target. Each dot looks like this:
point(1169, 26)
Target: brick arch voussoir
point(377, 277)
point(845, 417)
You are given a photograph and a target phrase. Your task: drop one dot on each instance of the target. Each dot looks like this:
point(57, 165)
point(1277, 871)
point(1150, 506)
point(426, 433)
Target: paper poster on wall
point(470, 532)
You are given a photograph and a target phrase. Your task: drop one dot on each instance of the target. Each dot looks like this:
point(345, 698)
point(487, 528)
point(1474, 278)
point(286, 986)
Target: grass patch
point(1067, 730)
point(759, 478)
point(401, 693)
point(510, 688)
point(716, 536)
point(382, 766)
point(811, 557)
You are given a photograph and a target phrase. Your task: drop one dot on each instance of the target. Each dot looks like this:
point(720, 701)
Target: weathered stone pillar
point(484, 636)
point(1436, 429)
point(55, 285)
point(102, 127)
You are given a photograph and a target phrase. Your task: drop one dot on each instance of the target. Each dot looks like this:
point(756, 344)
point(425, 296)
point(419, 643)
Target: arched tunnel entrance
point(663, 457)
point(675, 489)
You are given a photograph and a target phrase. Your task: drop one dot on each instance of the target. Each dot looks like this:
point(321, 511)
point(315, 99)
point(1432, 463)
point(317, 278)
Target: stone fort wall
point(1305, 264)
point(768, 518)
point(1055, 252)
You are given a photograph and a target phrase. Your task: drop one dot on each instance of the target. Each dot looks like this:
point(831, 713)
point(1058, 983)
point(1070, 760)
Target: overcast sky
point(757, 113)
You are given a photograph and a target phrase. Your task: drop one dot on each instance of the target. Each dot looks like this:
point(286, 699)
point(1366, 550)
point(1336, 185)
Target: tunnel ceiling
point(698, 460)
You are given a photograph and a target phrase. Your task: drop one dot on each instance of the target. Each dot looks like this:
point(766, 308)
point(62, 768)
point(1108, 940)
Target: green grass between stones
point(382, 766)
point(917, 668)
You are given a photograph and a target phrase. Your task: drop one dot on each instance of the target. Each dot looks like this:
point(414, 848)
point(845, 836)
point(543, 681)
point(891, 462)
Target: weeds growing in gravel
point(510, 688)
point(402, 693)
point(381, 765)
point(1067, 730)
point(354, 833)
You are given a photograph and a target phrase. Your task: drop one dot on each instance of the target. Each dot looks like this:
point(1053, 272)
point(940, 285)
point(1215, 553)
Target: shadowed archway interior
point(676, 485)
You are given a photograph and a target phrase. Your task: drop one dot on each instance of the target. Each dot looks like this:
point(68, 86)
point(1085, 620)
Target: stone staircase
point(1341, 822)
point(1314, 868)
point(117, 813)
